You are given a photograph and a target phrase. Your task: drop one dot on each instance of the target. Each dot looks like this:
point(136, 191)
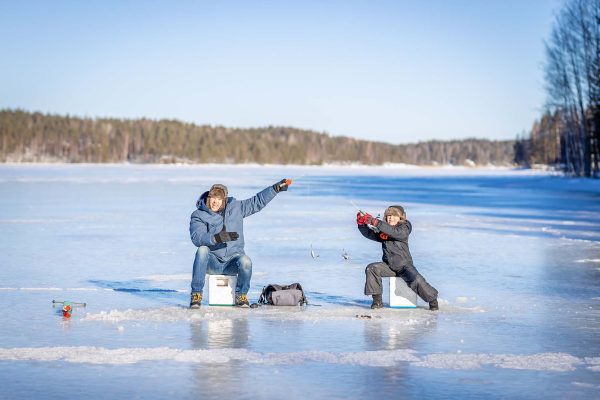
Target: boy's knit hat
point(218, 191)
point(394, 210)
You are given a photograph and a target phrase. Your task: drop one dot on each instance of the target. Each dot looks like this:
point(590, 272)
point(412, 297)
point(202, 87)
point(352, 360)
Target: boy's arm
point(398, 232)
point(368, 233)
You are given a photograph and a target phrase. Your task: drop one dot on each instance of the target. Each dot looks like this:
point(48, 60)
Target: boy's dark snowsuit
point(397, 260)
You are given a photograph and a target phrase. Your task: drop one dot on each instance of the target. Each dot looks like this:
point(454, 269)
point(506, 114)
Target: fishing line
point(313, 254)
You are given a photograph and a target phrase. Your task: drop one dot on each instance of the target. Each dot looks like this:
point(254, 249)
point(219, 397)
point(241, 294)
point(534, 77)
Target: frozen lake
point(515, 256)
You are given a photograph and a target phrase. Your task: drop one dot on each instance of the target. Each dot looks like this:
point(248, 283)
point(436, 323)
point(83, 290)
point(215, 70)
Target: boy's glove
point(362, 218)
point(371, 220)
point(226, 237)
point(282, 185)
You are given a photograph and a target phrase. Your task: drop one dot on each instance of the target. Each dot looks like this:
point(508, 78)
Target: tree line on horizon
point(567, 135)
point(37, 137)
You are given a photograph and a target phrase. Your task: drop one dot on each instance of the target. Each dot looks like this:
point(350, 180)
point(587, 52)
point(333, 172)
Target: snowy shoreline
point(260, 173)
point(350, 168)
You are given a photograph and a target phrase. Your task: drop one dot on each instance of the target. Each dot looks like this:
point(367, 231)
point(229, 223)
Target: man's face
point(215, 203)
point(392, 219)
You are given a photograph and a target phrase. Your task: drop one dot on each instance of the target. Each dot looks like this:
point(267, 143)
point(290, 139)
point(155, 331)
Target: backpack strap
point(296, 285)
point(261, 297)
point(265, 296)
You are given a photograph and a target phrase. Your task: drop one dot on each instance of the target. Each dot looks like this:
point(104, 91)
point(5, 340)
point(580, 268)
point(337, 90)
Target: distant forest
point(36, 137)
point(567, 135)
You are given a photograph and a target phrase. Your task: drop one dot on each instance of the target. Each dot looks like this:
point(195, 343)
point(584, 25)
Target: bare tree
point(573, 83)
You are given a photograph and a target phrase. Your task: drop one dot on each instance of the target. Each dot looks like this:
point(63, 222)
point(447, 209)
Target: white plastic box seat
point(221, 290)
point(400, 295)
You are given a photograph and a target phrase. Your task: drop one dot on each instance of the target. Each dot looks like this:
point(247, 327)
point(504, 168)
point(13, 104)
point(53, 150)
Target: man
point(397, 261)
point(216, 228)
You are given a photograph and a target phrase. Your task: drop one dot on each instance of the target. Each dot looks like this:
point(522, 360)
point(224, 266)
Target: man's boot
point(241, 300)
point(195, 300)
point(377, 301)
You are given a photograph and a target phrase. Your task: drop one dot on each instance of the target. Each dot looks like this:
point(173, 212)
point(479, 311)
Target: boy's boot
point(377, 301)
point(433, 305)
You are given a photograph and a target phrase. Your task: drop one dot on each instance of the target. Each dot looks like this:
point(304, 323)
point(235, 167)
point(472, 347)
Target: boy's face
point(392, 219)
point(215, 203)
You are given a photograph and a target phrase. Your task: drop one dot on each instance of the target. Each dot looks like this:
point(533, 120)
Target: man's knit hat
point(218, 191)
point(395, 210)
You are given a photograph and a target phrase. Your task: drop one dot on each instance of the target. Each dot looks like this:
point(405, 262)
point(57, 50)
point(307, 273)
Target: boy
point(397, 261)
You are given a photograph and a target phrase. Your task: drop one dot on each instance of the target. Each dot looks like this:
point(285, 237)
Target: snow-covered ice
point(514, 254)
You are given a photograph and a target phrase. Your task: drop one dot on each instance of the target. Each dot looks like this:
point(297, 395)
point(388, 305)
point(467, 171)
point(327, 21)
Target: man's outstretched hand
point(226, 237)
point(282, 185)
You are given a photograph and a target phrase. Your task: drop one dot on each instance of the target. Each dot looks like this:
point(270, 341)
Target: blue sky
point(394, 71)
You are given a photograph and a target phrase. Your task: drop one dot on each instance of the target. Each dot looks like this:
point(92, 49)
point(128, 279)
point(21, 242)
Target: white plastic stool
point(401, 296)
point(221, 290)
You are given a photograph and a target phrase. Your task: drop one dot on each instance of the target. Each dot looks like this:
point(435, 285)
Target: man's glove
point(282, 185)
point(226, 237)
point(362, 218)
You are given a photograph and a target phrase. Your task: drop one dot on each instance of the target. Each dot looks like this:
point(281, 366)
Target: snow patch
point(179, 277)
point(167, 278)
point(559, 362)
point(54, 289)
point(586, 385)
point(593, 363)
point(538, 362)
point(32, 221)
point(99, 355)
point(177, 314)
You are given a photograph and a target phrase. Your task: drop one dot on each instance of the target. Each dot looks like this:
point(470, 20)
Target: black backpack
point(280, 295)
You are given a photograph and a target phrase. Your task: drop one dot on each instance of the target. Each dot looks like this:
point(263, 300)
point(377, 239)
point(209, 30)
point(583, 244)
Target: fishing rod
point(357, 207)
point(295, 178)
point(284, 182)
point(362, 213)
point(67, 306)
point(66, 301)
point(374, 228)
